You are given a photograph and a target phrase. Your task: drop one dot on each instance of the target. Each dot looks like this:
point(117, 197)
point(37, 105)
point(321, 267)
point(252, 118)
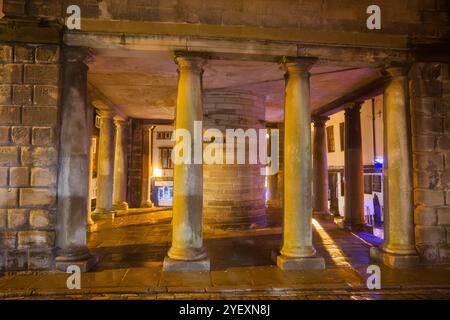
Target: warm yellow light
point(337, 255)
point(157, 172)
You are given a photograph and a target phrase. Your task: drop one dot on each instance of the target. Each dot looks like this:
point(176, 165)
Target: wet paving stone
point(132, 247)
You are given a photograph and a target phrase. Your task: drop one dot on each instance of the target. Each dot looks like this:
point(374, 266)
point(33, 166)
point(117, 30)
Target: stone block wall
point(430, 113)
point(233, 194)
point(425, 18)
point(29, 94)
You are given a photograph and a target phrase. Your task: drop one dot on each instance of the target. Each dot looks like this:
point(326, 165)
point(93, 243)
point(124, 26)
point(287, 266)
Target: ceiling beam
point(363, 93)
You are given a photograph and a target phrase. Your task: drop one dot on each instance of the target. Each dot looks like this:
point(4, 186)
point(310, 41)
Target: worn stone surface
point(430, 114)
point(29, 92)
point(122, 269)
point(233, 194)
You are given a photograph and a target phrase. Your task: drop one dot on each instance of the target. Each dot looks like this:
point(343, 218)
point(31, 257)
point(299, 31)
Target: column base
point(355, 228)
point(171, 265)
point(85, 261)
point(121, 206)
point(147, 204)
point(324, 215)
point(287, 263)
point(102, 214)
point(396, 261)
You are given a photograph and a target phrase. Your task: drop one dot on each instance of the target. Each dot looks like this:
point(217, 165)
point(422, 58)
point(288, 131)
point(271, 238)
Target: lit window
point(377, 180)
point(166, 158)
point(163, 135)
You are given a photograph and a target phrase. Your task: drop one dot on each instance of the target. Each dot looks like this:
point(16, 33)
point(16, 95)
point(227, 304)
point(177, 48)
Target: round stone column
point(233, 194)
point(187, 252)
point(398, 249)
point(105, 173)
point(297, 251)
point(320, 167)
point(73, 176)
point(354, 170)
point(120, 165)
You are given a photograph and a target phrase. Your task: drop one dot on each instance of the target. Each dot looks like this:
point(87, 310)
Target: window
point(166, 158)
point(368, 184)
point(330, 138)
point(163, 135)
point(376, 183)
point(342, 135)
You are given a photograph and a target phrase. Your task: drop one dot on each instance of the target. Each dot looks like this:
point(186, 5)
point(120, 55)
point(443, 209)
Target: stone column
point(105, 167)
point(297, 251)
point(146, 167)
point(73, 176)
point(398, 249)
point(320, 167)
point(91, 225)
point(187, 252)
point(120, 166)
point(353, 170)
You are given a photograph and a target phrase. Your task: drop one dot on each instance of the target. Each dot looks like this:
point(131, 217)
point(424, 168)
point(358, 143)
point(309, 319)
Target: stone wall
point(29, 94)
point(428, 18)
point(430, 111)
point(233, 194)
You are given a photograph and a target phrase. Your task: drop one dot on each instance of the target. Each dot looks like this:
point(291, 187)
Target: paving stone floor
point(132, 247)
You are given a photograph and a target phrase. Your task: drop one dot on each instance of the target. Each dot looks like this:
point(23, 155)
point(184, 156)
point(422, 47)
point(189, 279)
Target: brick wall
point(430, 111)
point(29, 77)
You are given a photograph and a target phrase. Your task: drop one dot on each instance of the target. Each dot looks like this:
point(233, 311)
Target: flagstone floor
point(132, 247)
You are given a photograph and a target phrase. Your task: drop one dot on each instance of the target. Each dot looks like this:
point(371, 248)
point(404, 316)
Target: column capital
point(190, 61)
point(319, 120)
point(106, 114)
point(81, 55)
point(297, 64)
point(394, 70)
point(120, 123)
point(354, 106)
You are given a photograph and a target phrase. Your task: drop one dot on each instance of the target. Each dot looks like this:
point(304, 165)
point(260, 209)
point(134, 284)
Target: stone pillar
point(91, 225)
point(187, 252)
point(105, 167)
point(320, 167)
point(297, 251)
point(120, 166)
point(73, 177)
point(146, 166)
point(353, 170)
point(398, 249)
